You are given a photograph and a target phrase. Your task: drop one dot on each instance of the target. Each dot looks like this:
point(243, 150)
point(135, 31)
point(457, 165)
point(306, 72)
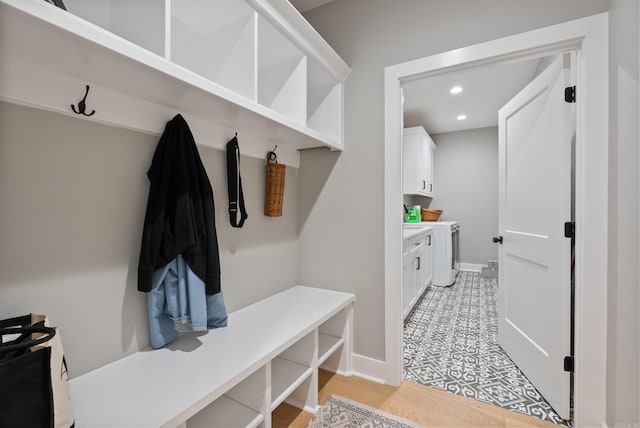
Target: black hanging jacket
point(180, 217)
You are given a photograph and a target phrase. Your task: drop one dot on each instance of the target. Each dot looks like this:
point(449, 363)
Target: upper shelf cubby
point(251, 66)
point(216, 39)
point(122, 18)
point(282, 73)
point(324, 101)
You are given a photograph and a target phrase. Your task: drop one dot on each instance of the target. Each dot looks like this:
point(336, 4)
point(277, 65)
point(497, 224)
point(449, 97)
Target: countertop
point(410, 232)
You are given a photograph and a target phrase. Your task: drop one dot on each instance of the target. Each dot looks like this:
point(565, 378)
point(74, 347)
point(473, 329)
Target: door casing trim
point(589, 38)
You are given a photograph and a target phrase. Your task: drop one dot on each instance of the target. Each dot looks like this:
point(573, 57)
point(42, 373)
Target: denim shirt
point(178, 302)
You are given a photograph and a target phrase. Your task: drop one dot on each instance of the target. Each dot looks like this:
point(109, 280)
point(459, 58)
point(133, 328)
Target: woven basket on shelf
point(275, 187)
point(430, 215)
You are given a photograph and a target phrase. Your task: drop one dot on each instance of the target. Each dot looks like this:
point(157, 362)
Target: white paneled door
point(536, 129)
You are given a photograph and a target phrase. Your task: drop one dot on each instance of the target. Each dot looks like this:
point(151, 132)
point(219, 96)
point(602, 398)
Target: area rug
point(340, 412)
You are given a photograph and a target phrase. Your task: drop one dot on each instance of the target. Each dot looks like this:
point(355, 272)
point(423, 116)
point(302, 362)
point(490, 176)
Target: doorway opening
point(588, 37)
point(451, 336)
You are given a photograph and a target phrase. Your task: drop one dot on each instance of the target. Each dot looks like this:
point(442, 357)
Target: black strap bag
point(234, 184)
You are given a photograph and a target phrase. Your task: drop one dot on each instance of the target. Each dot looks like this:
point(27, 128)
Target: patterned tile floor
point(451, 343)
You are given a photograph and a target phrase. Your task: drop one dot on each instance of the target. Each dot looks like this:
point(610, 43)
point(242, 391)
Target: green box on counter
point(412, 214)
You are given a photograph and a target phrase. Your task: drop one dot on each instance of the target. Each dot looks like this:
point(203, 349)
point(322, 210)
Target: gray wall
point(341, 242)
point(466, 174)
point(623, 325)
point(73, 195)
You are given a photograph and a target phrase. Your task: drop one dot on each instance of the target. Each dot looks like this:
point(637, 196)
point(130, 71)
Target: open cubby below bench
point(229, 377)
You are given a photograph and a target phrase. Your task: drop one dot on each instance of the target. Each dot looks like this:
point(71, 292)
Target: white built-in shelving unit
point(252, 66)
point(269, 353)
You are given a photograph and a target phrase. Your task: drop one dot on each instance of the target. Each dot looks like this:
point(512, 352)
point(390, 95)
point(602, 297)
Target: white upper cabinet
point(255, 67)
point(418, 154)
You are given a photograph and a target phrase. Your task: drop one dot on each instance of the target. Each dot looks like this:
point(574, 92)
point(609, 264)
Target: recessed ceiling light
point(462, 117)
point(456, 90)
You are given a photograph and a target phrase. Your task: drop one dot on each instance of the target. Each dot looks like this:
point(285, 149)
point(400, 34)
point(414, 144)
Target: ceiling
point(428, 102)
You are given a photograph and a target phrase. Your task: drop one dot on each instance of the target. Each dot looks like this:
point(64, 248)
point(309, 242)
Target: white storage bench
point(229, 377)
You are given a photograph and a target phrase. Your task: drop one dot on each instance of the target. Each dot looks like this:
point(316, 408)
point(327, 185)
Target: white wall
point(623, 398)
point(341, 240)
point(466, 174)
point(73, 195)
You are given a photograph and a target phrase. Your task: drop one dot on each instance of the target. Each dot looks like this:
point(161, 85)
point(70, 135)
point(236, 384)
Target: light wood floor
point(421, 404)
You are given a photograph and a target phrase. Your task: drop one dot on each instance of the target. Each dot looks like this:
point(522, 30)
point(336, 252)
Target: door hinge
point(570, 94)
point(569, 229)
point(568, 364)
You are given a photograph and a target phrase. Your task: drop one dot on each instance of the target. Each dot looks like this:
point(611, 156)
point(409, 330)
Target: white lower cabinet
point(408, 280)
point(417, 269)
point(426, 264)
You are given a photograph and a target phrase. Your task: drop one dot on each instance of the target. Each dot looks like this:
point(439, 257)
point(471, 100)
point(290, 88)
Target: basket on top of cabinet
point(430, 215)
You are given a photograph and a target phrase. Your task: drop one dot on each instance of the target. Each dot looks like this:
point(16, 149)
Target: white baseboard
point(472, 267)
point(621, 425)
point(298, 405)
point(368, 368)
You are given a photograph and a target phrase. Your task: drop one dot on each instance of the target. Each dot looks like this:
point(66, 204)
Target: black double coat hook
point(82, 106)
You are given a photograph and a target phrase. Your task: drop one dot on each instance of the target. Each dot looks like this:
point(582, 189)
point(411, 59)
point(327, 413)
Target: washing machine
point(446, 250)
